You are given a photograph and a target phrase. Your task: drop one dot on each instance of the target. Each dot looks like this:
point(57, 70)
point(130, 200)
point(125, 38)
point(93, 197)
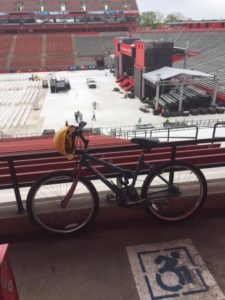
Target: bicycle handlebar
point(79, 132)
point(82, 125)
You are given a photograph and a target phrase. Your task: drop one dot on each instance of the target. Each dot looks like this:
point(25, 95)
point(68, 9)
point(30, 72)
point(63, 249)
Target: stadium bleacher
point(88, 46)
point(17, 50)
point(73, 5)
point(6, 41)
point(17, 96)
point(65, 48)
point(27, 45)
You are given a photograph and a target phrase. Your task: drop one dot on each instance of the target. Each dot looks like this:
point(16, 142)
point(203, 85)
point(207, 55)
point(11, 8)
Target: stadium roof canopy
point(168, 73)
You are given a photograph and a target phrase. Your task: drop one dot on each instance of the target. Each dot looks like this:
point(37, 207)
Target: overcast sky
point(195, 9)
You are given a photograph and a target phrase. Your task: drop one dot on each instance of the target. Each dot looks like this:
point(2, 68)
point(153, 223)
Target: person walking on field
point(93, 116)
point(94, 104)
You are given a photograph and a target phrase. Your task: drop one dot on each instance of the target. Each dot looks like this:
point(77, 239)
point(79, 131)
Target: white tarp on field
point(168, 72)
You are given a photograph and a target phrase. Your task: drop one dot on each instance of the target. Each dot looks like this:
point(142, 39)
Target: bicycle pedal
point(110, 198)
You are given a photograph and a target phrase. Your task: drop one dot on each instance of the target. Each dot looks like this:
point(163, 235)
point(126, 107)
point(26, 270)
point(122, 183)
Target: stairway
point(43, 50)
point(11, 52)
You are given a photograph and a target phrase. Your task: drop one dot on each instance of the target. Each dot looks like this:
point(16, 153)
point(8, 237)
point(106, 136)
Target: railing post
point(173, 152)
point(168, 134)
point(196, 134)
point(173, 158)
point(16, 187)
point(215, 127)
point(214, 130)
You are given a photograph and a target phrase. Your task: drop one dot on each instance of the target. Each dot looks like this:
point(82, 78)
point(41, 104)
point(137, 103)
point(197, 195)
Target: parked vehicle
point(91, 83)
point(145, 109)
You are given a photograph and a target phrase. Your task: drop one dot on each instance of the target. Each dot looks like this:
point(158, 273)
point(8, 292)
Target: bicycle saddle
point(145, 143)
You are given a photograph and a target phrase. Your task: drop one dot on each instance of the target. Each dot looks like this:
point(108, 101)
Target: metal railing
point(15, 180)
point(217, 125)
point(121, 131)
point(148, 133)
point(133, 131)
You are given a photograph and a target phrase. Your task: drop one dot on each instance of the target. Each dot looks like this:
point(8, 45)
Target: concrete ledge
point(13, 224)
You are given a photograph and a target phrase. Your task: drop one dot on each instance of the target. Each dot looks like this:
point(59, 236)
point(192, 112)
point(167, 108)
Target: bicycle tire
point(177, 202)
point(45, 196)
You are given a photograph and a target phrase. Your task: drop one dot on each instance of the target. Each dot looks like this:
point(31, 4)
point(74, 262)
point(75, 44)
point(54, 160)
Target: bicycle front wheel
point(175, 191)
point(44, 203)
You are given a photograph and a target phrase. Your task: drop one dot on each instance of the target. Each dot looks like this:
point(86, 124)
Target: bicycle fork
point(70, 192)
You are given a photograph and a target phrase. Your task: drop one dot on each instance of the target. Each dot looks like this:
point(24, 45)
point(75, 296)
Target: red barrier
point(8, 290)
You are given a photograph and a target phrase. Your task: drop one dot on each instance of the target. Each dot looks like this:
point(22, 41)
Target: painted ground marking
point(172, 270)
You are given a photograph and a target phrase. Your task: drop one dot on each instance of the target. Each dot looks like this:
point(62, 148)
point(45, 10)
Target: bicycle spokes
point(175, 191)
point(55, 209)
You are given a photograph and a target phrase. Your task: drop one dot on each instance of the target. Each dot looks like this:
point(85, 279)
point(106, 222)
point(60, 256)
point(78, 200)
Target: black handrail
point(149, 132)
point(11, 158)
point(216, 126)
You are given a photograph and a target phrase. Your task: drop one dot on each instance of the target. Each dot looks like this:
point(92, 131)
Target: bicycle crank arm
point(148, 201)
point(132, 203)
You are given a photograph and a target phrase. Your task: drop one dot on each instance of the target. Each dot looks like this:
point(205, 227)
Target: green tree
point(150, 18)
point(155, 18)
point(174, 17)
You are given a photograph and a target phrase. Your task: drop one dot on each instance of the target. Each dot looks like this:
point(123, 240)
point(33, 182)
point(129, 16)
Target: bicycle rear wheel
point(44, 203)
point(175, 191)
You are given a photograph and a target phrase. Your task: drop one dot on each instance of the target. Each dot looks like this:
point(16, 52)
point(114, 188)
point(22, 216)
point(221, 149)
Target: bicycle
point(64, 202)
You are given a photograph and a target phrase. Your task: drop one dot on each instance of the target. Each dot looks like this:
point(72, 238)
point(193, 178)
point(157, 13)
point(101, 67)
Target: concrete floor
point(94, 265)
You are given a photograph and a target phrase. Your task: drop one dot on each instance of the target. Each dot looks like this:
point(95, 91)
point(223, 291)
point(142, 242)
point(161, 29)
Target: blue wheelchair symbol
point(170, 265)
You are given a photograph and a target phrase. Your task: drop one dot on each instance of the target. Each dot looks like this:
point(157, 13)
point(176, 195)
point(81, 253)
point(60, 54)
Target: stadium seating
point(210, 45)
point(59, 51)
point(88, 45)
point(26, 63)
point(3, 64)
point(59, 44)
point(44, 49)
point(72, 5)
point(8, 6)
point(59, 62)
point(5, 41)
point(16, 100)
point(26, 52)
point(27, 45)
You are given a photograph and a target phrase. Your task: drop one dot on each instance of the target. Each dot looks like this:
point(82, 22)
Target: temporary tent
point(181, 77)
point(166, 73)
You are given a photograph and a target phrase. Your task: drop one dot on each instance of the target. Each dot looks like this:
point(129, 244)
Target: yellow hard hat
point(64, 143)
